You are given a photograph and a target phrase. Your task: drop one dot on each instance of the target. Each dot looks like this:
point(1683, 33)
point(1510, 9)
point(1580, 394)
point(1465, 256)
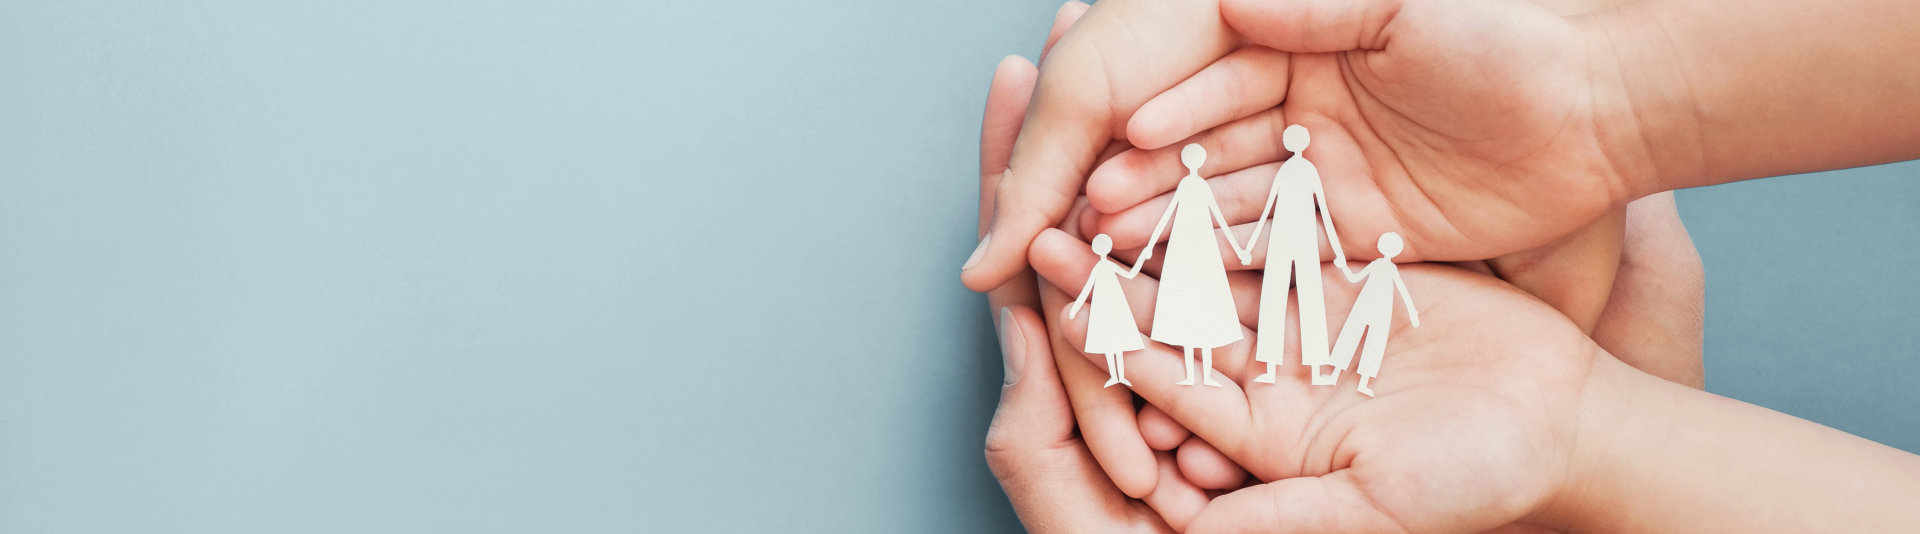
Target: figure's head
point(1295, 138)
point(1102, 244)
point(1192, 156)
point(1390, 245)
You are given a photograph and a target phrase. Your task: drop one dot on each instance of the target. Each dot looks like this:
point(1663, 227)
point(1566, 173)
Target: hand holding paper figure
point(1395, 433)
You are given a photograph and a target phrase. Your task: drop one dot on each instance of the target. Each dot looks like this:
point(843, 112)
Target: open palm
point(1474, 129)
point(1469, 431)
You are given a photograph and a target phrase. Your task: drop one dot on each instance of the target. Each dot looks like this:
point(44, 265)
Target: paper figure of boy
point(1195, 307)
point(1293, 255)
point(1372, 314)
point(1110, 327)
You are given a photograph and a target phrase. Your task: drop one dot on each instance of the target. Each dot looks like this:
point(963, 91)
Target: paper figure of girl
point(1110, 327)
point(1195, 308)
point(1293, 255)
point(1372, 314)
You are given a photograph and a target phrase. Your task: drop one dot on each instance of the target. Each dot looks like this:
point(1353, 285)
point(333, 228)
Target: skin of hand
point(1499, 410)
point(1655, 319)
point(1575, 273)
point(1049, 474)
point(1166, 43)
point(1653, 322)
point(1108, 421)
point(1398, 449)
point(1464, 172)
point(1050, 477)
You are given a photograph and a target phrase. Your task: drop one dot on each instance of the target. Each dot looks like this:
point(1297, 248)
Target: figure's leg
point(1188, 381)
point(1373, 349)
point(1342, 354)
point(1313, 317)
point(1121, 358)
point(1273, 316)
point(1267, 377)
point(1113, 371)
point(1206, 366)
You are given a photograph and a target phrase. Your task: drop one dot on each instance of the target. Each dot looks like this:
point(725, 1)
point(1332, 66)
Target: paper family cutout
point(1195, 308)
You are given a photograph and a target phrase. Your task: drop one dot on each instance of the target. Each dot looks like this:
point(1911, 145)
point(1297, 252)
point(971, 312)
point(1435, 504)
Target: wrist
point(1645, 120)
point(1622, 414)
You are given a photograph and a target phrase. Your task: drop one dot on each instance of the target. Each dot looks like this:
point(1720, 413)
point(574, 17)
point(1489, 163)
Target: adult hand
point(1469, 429)
point(1473, 129)
point(1054, 480)
point(1049, 475)
point(1652, 322)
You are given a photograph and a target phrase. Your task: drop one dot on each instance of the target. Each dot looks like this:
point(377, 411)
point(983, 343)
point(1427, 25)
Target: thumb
point(1034, 413)
point(1331, 503)
point(1080, 99)
point(1309, 26)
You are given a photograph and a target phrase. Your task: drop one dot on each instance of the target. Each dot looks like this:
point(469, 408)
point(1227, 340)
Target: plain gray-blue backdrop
point(577, 266)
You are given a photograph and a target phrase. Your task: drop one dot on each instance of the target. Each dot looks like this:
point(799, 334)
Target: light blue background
point(613, 267)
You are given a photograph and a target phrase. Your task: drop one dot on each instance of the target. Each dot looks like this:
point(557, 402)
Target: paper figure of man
point(1293, 259)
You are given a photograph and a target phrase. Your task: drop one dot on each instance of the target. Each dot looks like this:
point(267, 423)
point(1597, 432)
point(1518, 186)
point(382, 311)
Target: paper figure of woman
point(1195, 307)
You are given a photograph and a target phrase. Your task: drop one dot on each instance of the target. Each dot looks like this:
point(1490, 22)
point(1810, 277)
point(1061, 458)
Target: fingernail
point(977, 252)
point(1013, 346)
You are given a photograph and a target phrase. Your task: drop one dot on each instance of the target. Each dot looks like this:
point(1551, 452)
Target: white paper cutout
point(1293, 255)
point(1372, 315)
point(1110, 327)
point(1195, 307)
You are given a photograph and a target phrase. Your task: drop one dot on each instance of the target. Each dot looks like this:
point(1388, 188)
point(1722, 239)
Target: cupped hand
point(1474, 129)
point(1469, 429)
point(1106, 418)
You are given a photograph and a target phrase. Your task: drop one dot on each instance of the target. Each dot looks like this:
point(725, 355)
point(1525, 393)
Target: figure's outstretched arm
point(1220, 218)
point(1355, 277)
point(1413, 314)
point(1154, 238)
point(1084, 291)
point(1260, 224)
point(1326, 218)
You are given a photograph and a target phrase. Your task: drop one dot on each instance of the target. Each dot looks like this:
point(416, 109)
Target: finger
point(1331, 503)
point(1174, 498)
point(1105, 414)
point(1049, 477)
point(1207, 468)
point(1245, 82)
point(1137, 175)
point(1574, 273)
point(1216, 414)
point(1034, 413)
point(1063, 20)
point(1007, 99)
point(1309, 26)
point(1654, 318)
point(1162, 433)
point(1080, 99)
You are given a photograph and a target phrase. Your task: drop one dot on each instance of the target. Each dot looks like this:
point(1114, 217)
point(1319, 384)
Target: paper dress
point(1195, 307)
point(1110, 326)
